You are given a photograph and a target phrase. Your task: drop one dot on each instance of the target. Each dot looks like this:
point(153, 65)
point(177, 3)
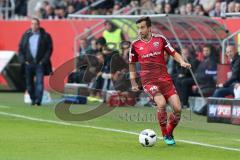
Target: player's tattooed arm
point(177, 57)
point(133, 76)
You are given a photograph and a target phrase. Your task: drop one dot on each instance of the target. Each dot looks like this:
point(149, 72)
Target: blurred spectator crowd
point(59, 9)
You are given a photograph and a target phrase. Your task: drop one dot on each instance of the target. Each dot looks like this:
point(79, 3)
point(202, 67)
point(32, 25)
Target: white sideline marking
point(110, 129)
point(237, 140)
point(209, 145)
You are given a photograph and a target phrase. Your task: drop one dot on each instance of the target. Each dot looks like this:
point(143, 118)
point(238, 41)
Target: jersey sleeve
point(168, 47)
point(133, 57)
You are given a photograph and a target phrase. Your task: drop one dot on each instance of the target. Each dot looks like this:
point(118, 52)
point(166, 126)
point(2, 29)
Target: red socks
point(173, 120)
point(162, 120)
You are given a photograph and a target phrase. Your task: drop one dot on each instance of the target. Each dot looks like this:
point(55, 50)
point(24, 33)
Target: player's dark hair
point(36, 19)
point(146, 19)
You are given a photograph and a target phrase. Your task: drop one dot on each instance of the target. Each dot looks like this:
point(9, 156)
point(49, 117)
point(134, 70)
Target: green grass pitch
point(35, 133)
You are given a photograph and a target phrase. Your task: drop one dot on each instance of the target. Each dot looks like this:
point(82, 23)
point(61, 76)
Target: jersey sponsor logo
point(141, 48)
point(155, 44)
point(151, 54)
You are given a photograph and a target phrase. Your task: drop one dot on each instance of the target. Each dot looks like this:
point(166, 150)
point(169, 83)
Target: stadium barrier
point(223, 110)
point(63, 33)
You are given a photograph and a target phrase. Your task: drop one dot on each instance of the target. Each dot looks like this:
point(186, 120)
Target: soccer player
point(149, 51)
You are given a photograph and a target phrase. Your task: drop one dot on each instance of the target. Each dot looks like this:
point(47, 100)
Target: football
point(147, 138)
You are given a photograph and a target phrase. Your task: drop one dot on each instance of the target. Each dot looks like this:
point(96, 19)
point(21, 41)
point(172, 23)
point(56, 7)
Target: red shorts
point(166, 88)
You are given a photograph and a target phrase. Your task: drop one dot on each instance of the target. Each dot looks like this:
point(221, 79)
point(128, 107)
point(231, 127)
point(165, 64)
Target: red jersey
point(150, 55)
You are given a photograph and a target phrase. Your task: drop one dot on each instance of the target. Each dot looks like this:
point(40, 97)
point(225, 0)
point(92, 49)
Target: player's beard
point(146, 36)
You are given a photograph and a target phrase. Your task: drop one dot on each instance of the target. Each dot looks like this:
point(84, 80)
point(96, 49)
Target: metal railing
point(92, 5)
point(8, 9)
point(117, 14)
point(232, 14)
point(224, 42)
point(111, 16)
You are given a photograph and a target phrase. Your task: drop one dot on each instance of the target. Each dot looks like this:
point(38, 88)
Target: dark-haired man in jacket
point(35, 50)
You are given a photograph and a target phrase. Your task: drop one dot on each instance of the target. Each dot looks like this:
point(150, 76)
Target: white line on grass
point(110, 129)
point(237, 140)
